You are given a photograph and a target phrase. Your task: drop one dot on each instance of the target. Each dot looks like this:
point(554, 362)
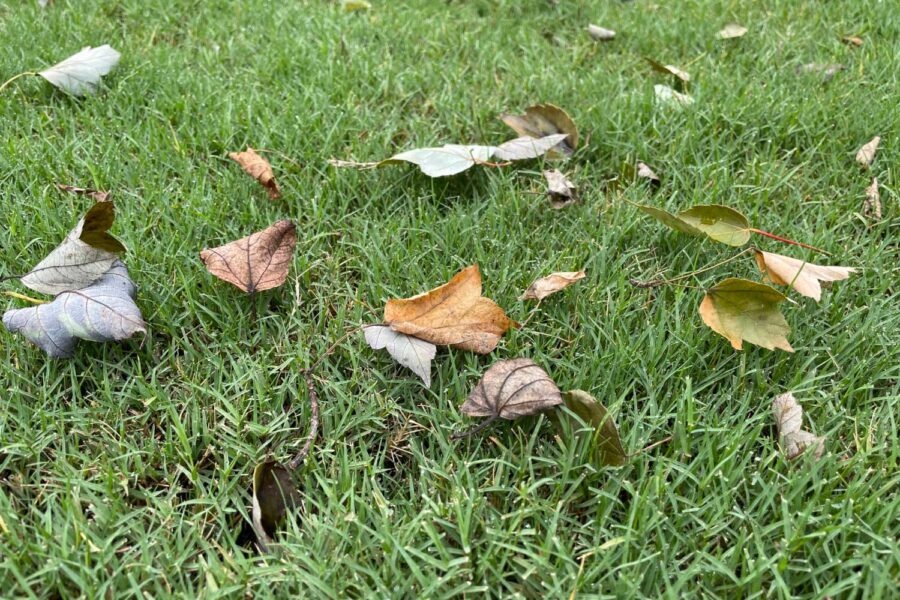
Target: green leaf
point(669, 220)
point(742, 310)
point(608, 448)
point(719, 223)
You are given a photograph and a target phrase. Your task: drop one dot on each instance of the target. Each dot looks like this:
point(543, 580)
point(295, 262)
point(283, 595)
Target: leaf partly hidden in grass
point(93, 194)
point(274, 495)
point(259, 168)
point(81, 73)
point(640, 171)
point(354, 5)
point(412, 353)
point(83, 256)
point(101, 312)
point(669, 97)
point(742, 310)
point(719, 223)
point(608, 448)
point(872, 205)
point(552, 283)
point(601, 34)
point(800, 275)
point(511, 389)
point(866, 155)
point(668, 70)
point(454, 314)
point(560, 190)
point(853, 40)
point(789, 422)
point(731, 31)
point(257, 262)
point(542, 120)
point(827, 70)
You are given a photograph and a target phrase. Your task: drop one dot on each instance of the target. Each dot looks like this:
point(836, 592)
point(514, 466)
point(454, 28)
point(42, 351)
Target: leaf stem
point(659, 282)
point(19, 296)
point(787, 241)
point(533, 312)
point(14, 77)
point(665, 440)
point(480, 427)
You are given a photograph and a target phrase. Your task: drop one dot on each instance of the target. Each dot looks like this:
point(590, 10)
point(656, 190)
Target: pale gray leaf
point(523, 148)
point(669, 97)
point(411, 352)
point(446, 160)
point(601, 34)
point(560, 189)
point(80, 73)
point(731, 31)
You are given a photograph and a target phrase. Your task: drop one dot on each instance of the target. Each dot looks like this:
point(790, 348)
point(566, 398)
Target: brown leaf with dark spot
point(454, 314)
point(872, 205)
point(95, 194)
point(259, 168)
point(551, 284)
point(511, 389)
point(257, 262)
point(560, 190)
point(542, 120)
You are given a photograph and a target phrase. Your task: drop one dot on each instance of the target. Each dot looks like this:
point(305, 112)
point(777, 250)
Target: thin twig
point(531, 314)
point(787, 241)
point(665, 440)
point(313, 421)
point(480, 427)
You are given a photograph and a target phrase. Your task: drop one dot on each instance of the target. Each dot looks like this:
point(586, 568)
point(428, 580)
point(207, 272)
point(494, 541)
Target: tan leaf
point(668, 70)
point(731, 31)
point(341, 164)
point(789, 422)
point(646, 172)
point(560, 190)
point(95, 194)
point(257, 262)
point(866, 154)
point(852, 40)
point(542, 120)
point(551, 284)
point(511, 389)
point(802, 276)
point(454, 314)
point(259, 168)
point(872, 205)
point(601, 34)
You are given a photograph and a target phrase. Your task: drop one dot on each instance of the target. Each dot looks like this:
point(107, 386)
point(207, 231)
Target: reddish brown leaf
point(259, 168)
point(257, 262)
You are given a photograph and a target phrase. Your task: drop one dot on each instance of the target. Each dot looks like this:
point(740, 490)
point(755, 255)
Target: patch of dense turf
point(125, 471)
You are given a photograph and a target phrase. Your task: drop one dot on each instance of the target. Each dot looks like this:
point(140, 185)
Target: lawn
point(125, 471)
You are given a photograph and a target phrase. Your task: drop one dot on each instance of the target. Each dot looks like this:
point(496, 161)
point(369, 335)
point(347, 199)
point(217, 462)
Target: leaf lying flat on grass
point(731, 31)
point(259, 168)
point(274, 496)
point(94, 194)
point(668, 70)
point(81, 73)
point(853, 40)
point(524, 148)
point(255, 263)
point(802, 276)
point(601, 34)
point(545, 286)
point(742, 310)
point(608, 446)
point(511, 389)
point(412, 353)
point(542, 120)
point(866, 155)
point(789, 422)
point(101, 312)
point(561, 191)
point(719, 223)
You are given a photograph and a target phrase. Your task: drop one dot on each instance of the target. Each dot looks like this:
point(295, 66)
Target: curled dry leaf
point(274, 495)
point(608, 448)
point(852, 40)
point(789, 422)
point(101, 312)
point(412, 353)
point(802, 276)
point(94, 194)
point(669, 97)
point(84, 256)
point(719, 223)
point(731, 31)
point(742, 310)
point(668, 70)
point(259, 168)
point(866, 155)
point(560, 190)
point(81, 73)
point(511, 389)
point(542, 120)
point(454, 314)
point(257, 262)
point(551, 284)
point(872, 205)
point(646, 172)
point(600, 34)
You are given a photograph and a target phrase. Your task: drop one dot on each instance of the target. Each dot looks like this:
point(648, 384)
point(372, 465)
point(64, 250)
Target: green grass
point(124, 472)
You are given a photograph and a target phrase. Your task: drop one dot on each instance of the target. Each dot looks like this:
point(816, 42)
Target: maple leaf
point(742, 310)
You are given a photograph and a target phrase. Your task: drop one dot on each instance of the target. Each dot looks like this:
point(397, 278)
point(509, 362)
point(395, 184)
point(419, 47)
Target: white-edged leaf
point(80, 73)
point(447, 160)
point(411, 352)
point(523, 148)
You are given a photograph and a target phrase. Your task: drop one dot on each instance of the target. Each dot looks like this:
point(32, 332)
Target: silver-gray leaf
point(80, 73)
point(411, 352)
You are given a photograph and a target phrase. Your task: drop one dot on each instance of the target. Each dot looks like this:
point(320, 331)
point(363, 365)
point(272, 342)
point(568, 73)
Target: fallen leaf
point(336, 162)
point(668, 70)
point(601, 34)
point(872, 205)
point(95, 194)
point(447, 160)
point(852, 40)
point(353, 5)
point(511, 389)
point(742, 310)
point(802, 276)
point(542, 120)
point(43, 3)
point(101, 312)
point(866, 154)
point(84, 256)
point(828, 70)
point(668, 96)
point(646, 172)
point(560, 190)
point(454, 314)
point(608, 448)
point(257, 262)
point(524, 148)
point(719, 223)
point(731, 31)
point(81, 73)
point(274, 495)
point(412, 353)
point(789, 422)
point(259, 168)
point(551, 284)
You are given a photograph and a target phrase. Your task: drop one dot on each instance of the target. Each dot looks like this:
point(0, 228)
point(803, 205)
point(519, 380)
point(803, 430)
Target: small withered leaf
point(803, 276)
point(853, 40)
point(257, 262)
point(511, 389)
point(668, 69)
point(872, 205)
point(866, 155)
point(413, 353)
point(789, 422)
point(552, 283)
point(259, 168)
point(561, 191)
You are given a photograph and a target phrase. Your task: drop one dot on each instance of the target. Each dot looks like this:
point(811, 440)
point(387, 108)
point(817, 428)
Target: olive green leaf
point(608, 448)
point(719, 223)
point(742, 310)
point(273, 496)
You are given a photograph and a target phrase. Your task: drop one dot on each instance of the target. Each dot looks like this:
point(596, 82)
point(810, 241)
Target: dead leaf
point(742, 310)
point(101, 312)
point(608, 446)
point(866, 155)
point(412, 353)
point(669, 97)
point(274, 495)
point(257, 262)
point(872, 205)
point(731, 31)
point(341, 164)
point(551, 284)
point(454, 314)
point(600, 34)
point(524, 148)
point(542, 120)
point(95, 194)
point(668, 70)
point(789, 422)
point(81, 73)
point(852, 40)
point(560, 190)
point(646, 172)
point(827, 70)
point(511, 389)
point(802, 276)
point(259, 168)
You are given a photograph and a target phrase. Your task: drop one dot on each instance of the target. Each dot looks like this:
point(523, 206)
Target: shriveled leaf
point(342, 164)
point(608, 446)
point(669, 97)
point(274, 495)
point(94, 194)
point(646, 172)
point(853, 40)
point(511, 389)
point(259, 168)
point(542, 120)
point(83, 256)
point(742, 310)
point(668, 70)
point(719, 223)
point(601, 34)
point(827, 70)
point(802, 276)
point(872, 204)
point(866, 154)
point(523, 148)
point(354, 5)
point(793, 438)
point(257, 262)
point(81, 73)
point(561, 191)
point(101, 312)
point(731, 31)
point(447, 160)
point(454, 314)
point(551, 284)
point(412, 353)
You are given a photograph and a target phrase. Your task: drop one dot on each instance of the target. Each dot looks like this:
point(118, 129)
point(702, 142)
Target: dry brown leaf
point(259, 168)
point(731, 31)
point(866, 155)
point(789, 422)
point(542, 120)
point(560, 190)
point(852, 40)
point(511, 389)
point(668, 70)
point(454, 314)
point(802, 276)
point(872, 205)
point(257, 262)
point(551, 284)
point(95, 194)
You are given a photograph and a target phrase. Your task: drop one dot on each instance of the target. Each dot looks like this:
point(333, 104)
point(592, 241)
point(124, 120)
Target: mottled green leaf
point(608, 448)
point(742, 310)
